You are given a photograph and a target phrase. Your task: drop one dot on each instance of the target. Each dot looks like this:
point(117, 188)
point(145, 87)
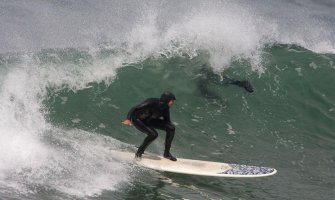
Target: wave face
point(70, 71)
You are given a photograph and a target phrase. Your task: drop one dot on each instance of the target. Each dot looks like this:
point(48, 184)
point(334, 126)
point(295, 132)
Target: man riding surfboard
point(153, 113)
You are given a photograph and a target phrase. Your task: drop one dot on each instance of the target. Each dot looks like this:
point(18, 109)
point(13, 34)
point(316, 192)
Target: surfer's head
point(167, 98)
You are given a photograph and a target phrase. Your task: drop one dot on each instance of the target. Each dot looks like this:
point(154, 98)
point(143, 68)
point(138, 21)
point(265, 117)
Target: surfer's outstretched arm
point(243, 83)
point(221, 79)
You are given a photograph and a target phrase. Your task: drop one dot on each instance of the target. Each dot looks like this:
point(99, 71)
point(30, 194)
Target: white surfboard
point(195, 167)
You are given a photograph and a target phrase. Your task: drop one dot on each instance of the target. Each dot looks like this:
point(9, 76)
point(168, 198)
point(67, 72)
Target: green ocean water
point(63, 98)
point(287, 123)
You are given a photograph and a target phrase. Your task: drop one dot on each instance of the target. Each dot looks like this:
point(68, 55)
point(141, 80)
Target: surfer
point(153, 113)
point(207, 76)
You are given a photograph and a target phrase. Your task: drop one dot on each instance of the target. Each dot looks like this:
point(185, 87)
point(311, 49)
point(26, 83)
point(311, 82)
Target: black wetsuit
point(152, 114)
point(207, 76)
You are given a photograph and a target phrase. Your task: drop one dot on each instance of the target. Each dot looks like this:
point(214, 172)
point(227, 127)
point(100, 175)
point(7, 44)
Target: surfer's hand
point(127, 122)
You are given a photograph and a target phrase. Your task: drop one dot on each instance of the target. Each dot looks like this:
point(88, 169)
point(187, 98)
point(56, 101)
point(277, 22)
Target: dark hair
point(167, 96)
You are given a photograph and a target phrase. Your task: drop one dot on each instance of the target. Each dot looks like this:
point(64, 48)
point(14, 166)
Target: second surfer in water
point(153, 113)
point(208, 77)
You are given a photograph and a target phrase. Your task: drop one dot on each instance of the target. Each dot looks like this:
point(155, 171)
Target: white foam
point(33, 152)
point(226, 35)
point(229, 30)
point(230, 129)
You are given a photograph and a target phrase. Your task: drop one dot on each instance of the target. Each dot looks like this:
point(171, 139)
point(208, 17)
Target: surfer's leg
point(151, 135)
point(170, 131)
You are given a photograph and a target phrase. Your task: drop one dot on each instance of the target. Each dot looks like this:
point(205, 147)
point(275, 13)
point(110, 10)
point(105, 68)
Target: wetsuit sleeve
point(167, 116)
point(138, 107)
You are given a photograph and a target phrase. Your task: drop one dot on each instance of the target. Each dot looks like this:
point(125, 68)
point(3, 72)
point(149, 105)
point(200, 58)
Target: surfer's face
point(170, 103)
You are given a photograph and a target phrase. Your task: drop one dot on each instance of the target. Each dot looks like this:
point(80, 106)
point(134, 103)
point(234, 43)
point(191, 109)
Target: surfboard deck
point(195, 167)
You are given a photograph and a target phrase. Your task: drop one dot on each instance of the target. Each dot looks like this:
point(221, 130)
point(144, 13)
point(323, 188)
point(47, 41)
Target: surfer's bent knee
point(170, 128)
